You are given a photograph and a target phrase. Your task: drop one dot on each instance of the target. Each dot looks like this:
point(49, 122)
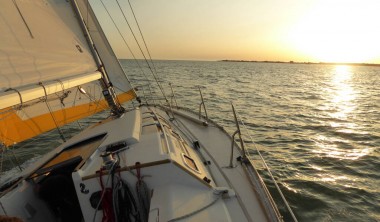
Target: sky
point(273, 30)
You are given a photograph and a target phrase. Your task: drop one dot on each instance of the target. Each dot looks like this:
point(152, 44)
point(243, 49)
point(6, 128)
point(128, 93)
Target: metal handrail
point(265, 164)
point(173, 95)
point(202, 104)
point(173, 98)
point(232, 149)
point(239, 132)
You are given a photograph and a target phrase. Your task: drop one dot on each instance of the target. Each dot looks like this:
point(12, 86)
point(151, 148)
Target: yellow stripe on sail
point(13, 129)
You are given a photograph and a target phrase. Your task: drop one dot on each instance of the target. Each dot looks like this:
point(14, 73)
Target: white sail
point(40, 41)
point(31, 92)
point(107, 55)
point(45, 62)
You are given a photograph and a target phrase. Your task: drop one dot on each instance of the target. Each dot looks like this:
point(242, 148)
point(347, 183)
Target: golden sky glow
point(298, 30)
point(338, 31)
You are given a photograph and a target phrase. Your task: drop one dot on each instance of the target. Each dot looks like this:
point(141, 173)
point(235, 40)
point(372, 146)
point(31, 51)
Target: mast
point(108, 90)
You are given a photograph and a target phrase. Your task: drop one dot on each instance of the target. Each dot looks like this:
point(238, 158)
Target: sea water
point(317, 126)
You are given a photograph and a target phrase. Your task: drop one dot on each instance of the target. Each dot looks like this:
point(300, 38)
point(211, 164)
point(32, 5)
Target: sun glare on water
point(338, 31)
point(342, 95)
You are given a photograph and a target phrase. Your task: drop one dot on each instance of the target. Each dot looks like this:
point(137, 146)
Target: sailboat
point(151, 162)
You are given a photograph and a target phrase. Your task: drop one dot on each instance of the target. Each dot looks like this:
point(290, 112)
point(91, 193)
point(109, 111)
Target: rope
point(125, 205)
point(220, 194)
point(96, 101)
point(118, 202)
point(103, 193)
point(92, 99)
point(51, 113)
point(106, 202)
point(64, 93)
point(2, 207)
point(142, 194)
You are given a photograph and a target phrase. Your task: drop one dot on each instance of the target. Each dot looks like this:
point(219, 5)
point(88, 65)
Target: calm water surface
point(318, 127)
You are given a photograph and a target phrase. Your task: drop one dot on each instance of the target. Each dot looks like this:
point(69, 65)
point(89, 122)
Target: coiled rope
point(219, 195)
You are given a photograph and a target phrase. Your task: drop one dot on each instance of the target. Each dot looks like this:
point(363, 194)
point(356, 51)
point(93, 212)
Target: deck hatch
point(190, 163)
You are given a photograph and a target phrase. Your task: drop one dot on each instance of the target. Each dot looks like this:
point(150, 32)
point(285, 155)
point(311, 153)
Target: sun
point(338, 31)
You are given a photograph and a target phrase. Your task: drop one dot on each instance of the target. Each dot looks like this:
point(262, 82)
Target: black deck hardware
point(207, 162)
point(207, 180)
point(196, 145)
point(116, 146)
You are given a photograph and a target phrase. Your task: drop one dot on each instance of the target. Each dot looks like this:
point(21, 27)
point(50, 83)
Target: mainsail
point(48, 73)
point(104, 49)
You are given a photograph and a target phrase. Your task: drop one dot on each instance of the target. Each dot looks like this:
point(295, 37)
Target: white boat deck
point(181, 186)
point(216, 147)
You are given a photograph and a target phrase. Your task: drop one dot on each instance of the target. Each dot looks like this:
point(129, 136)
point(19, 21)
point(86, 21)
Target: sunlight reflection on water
point(342, 97)
point(328, 147)
point(343, 93)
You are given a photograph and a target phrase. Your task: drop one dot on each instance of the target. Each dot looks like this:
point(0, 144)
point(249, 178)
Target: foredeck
point(215, 146)
point(185, 183)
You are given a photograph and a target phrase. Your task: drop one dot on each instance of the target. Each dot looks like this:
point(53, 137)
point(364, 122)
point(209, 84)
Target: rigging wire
point(2, 207)
point(75, 97)
point(121, 35)
point(142, 36)
point(134, 36)
point(145, 59)
point(269, 172)
point(125, 42)
point(51, 113)
point(4, 152)
point(154, 73)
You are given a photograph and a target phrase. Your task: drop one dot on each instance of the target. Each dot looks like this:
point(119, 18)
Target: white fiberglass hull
point(183, 164)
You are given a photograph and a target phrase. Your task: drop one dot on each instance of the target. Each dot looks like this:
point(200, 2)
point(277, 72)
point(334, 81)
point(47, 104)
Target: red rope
point(108, 215)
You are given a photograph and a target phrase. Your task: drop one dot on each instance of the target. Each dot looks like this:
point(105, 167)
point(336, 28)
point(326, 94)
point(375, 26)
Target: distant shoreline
point(307, 63)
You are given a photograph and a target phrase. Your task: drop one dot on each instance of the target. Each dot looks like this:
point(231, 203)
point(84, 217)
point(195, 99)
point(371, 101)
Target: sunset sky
point(298, 30)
